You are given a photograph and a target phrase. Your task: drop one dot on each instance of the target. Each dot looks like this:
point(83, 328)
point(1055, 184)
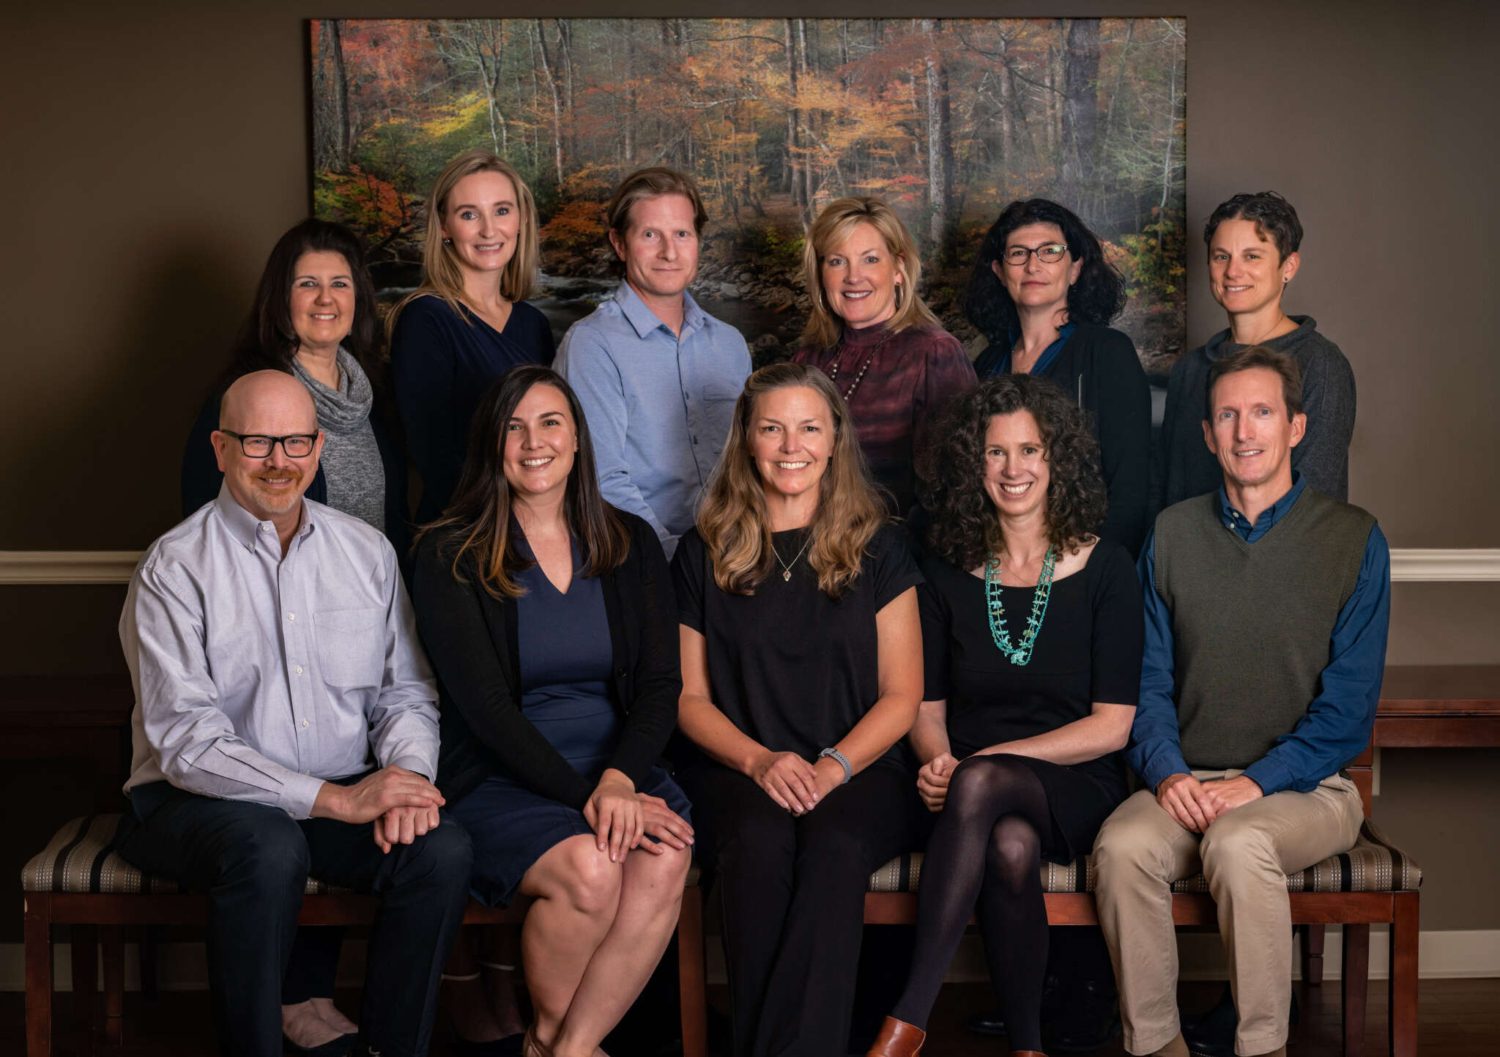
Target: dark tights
point(985, 854)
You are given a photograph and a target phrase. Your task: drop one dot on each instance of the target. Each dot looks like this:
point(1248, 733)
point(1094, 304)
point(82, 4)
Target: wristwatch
point(841, 760)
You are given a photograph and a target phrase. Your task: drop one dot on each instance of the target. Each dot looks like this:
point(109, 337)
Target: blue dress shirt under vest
point(1337, 724)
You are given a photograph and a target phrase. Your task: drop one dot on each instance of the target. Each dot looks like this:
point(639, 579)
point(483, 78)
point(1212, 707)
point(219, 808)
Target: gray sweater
point(1186, 466)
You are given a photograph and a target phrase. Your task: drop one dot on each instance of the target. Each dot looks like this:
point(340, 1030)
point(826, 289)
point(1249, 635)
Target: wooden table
point(1439, 707)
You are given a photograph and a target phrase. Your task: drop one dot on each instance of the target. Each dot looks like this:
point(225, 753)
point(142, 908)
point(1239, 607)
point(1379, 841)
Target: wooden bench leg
point(1403, 980)
point(1313, 937)
point(38, 927)
point(114, 985)
point(1355, 987)
point(692, 986)
point(84, 952)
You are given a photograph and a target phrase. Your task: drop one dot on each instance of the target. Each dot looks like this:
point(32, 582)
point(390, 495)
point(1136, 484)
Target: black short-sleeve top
point(1088, 649)
point(790, 666)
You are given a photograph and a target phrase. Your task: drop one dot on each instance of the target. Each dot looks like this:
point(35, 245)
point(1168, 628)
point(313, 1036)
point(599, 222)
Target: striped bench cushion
point(80, 857)
point(1374, 864)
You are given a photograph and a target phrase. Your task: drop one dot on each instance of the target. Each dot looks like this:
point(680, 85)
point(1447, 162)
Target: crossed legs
point(985, 854)
point(593, 936)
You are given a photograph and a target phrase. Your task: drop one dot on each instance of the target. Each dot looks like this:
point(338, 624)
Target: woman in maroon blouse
point(869, 331)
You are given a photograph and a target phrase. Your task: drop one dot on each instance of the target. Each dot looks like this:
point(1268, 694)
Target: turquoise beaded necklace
point(1017, 655)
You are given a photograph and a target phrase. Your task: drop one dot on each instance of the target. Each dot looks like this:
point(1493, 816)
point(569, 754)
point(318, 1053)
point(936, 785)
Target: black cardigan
point(470, 636)
point(1099, 370)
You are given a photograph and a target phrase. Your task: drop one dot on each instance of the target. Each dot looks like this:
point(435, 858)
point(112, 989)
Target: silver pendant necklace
point(786, 567)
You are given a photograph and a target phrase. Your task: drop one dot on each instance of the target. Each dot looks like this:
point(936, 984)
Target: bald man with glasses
point(285, 726)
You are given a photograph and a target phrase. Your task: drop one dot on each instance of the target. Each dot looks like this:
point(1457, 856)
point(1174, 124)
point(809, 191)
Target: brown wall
point(154, 151)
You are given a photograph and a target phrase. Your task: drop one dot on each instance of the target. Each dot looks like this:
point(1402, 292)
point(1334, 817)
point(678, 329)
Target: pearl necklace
point(1018, 655)
point(833, 372)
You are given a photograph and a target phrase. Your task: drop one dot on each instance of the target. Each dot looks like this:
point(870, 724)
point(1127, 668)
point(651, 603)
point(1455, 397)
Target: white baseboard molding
point(1443, 955)
point(1410, 564)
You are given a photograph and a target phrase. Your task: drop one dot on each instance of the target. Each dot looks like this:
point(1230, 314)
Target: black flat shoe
point(339, 1047)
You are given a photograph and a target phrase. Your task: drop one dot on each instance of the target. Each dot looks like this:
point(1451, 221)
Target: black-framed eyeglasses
point(1049, 253)
point(260, 445)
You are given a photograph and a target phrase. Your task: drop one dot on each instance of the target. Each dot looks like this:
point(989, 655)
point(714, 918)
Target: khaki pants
point(1245, 857)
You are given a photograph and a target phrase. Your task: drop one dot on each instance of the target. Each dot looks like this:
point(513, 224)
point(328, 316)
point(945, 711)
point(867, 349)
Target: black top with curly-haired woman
point(1043, 294)
point(1032, 634)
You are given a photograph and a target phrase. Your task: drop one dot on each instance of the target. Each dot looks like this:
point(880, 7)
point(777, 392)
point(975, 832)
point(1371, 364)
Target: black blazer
point(470, 637)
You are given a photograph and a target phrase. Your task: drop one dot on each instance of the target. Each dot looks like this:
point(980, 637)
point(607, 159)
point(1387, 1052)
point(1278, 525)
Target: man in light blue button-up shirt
point(285, 725)
point(656, 375)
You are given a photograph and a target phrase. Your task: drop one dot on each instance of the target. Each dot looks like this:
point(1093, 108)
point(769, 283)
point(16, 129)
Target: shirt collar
point(1233, 519)
point(645, 321)
point(247, 529)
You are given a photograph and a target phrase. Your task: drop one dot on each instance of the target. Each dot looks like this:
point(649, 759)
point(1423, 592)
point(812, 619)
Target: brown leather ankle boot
point(897, 1038)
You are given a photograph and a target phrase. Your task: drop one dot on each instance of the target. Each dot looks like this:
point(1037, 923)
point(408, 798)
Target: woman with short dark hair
point(1043, 294)
point(1254, 254)
point(801, 669)
point(549, 620)
point(1032, 632)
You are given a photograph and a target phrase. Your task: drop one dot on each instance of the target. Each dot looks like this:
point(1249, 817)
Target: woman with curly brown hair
point(801, 670)
point(1032, 635)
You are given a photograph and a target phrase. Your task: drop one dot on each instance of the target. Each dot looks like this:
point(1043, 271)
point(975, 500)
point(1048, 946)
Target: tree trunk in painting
point(794, 159)
point(331, 90)
point(550, 74)
point(1080, 112)
point(939, 135)
point(629, 117)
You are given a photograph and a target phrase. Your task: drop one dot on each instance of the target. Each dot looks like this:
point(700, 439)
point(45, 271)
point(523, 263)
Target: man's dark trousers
point(253, 862)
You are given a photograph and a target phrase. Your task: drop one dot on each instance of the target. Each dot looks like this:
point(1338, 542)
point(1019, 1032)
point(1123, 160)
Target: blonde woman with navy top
point(468, 323)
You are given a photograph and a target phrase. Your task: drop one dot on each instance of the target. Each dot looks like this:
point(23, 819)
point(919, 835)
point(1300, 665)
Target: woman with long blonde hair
point(875, 337)
point(802, 669)
point(468, 323)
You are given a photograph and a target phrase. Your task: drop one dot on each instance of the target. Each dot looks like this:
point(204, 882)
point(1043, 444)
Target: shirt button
point(298, 669)
point(291, 616)
point(304, 724)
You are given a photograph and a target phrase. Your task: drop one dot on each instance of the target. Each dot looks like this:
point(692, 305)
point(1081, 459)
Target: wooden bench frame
point(111, 913)
point(1355, 911)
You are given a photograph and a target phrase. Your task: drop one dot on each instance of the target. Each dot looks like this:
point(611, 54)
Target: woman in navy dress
point(1032, 634)
point(550, 622)
point(468, 323)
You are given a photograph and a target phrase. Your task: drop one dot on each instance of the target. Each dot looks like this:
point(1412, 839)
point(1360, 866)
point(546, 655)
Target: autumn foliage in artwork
point(946, 119)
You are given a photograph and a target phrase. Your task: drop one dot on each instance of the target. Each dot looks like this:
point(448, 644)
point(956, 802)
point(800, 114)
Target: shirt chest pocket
point(351, 646)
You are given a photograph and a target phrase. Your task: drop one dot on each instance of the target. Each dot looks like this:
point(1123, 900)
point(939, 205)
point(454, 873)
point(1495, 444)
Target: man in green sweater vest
point(1267, 605)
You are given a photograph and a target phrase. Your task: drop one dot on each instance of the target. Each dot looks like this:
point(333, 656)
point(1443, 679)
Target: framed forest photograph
point(947, 120)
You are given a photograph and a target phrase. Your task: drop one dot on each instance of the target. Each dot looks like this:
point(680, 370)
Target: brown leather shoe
point(897, 1038)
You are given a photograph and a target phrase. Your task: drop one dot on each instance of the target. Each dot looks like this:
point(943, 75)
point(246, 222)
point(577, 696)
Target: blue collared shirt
point(1336, 726)
point(658, 405)
point(258, 676)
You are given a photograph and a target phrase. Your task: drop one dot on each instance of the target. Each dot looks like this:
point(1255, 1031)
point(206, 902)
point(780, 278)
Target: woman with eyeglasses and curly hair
point(1032, 635)
point(1043, 294)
